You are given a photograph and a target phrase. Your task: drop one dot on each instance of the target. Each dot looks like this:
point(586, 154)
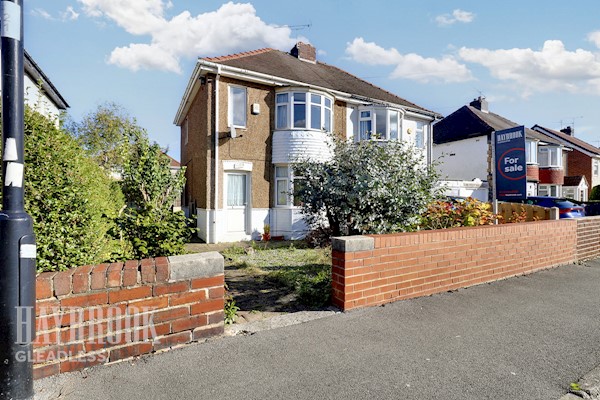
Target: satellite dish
point(233, 133)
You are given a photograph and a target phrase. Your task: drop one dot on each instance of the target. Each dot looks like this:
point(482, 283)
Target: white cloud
point(40, 12)
point(551, 68)
point(409, 66)
point(231, 28)
point(457, 15)
point(594, 37)
point(69, 14)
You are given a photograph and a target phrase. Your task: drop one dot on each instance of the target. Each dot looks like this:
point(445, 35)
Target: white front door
point(236, 203)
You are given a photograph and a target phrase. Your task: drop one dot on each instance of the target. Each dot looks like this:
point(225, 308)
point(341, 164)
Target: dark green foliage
point(595, 193)
point(70, 198)
point(150, 188)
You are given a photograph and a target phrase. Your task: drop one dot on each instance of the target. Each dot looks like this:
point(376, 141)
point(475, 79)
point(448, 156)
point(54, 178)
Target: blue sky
point(536, 62)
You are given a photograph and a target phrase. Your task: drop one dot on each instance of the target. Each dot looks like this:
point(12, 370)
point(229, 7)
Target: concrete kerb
point(200, 265)
point(348, 244)
point(589, 387)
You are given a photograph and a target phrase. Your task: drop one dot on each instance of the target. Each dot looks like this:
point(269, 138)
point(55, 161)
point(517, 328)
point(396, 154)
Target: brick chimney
point(305, 52)
point(568, 130)
point(481, 104)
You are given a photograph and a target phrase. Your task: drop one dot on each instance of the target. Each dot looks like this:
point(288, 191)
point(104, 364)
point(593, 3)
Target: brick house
point(463, 140)
point(582, 160)
point(245, 117)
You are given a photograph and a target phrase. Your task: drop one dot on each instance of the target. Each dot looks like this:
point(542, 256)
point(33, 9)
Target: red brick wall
point(406, 265)
point(588, 238)
point(533, 173)
point(580, 164)
point(104, 313)
point(552, 176)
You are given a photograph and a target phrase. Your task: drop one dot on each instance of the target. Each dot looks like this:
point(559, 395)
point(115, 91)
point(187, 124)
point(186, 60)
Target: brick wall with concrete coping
point(378, 269)
point(105, 313)
point(588, 238)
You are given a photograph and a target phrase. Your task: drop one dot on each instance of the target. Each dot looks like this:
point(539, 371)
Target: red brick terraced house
point(246, 117)
point(463, 143)
point(582, 160)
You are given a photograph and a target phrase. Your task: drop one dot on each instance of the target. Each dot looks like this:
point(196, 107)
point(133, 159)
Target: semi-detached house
point(246, 117)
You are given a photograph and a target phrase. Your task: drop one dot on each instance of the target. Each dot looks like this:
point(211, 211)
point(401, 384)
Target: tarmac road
point(522, 338)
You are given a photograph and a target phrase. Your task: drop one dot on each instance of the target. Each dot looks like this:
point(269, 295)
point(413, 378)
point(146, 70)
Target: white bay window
point(550, 156)
point(303, 110)
point(386, 122)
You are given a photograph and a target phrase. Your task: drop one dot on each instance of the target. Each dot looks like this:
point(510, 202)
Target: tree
point(103, 132)
point(150, 188)
point(71, 200)
point(595, 193)
point(366, 187)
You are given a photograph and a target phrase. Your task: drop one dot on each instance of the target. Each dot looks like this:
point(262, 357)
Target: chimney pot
point(568, 130)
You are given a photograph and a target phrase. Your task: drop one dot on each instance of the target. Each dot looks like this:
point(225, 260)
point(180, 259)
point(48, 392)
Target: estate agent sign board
point(510, 164)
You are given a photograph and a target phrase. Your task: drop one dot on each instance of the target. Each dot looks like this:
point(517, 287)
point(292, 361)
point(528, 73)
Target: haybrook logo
point(63, 331)
point(506, 137)
point(510, 164)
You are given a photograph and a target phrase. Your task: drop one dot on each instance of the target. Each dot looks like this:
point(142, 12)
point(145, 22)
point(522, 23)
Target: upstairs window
point(303, 110)
point(379, 123)
point(237, 106)
point(550, 156)
point(596, 168)
point(531, 151)
point(420, 135)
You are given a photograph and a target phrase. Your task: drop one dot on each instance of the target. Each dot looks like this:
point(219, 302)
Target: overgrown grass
point(305, 271)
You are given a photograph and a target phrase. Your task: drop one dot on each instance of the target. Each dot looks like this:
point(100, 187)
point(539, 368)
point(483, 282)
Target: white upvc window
point(596, 167)
point(286, 185)
point(531, 151)
point(237, 106)
point(550, 190)
point(380, 123)
point(303, 110)
point(420, 135)
point(282, 186)
point(550, 156)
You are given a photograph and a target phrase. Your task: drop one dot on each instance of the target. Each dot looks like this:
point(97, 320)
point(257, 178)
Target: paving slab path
point(522, 338)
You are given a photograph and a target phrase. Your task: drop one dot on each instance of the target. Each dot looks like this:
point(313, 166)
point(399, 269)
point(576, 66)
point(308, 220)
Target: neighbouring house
point(463, 143)
point(246, 117)
point(40, 93)
point(576, 187)
point(583, 160)
point(174, 166)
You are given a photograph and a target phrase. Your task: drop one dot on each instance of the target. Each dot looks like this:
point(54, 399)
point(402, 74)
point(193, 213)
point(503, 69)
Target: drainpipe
point(213, 225)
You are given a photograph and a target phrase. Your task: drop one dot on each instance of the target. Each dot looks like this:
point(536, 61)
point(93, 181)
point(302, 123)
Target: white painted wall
point(38, 100)
point(476, 189)
point(289, 146)
point(463, 159)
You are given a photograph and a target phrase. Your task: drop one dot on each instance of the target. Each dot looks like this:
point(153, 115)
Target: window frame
point(420, 142)
point(548, 190)
point(288, 180)
point(373, 118)
point(231, 106)
point(595, 167)
point(550, 150)
point(531, 154)
point(325, 107)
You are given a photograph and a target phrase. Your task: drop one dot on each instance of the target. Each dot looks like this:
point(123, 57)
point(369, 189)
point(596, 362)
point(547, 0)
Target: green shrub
point(595, 193)
point(70, 198)
point(148, 223)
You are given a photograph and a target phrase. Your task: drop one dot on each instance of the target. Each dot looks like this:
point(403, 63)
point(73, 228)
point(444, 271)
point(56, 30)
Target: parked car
point(566, 208)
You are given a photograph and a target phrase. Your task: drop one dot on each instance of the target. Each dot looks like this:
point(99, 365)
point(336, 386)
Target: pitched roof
point(38, 76)
point(573, 180)
point(469, 122)
point(571, 140)
point(279, 64)
point(173, 163)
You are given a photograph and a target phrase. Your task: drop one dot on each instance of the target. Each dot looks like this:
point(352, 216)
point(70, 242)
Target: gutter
point(203, 66)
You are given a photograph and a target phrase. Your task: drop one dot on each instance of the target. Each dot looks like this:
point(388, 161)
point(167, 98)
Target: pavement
point(527, 337)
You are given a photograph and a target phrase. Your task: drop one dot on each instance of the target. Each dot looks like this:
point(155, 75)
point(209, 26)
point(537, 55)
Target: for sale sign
point(511, 165)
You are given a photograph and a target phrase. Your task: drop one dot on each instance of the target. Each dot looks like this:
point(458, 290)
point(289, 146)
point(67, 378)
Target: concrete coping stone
point(200, 265)
point(348, 244)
